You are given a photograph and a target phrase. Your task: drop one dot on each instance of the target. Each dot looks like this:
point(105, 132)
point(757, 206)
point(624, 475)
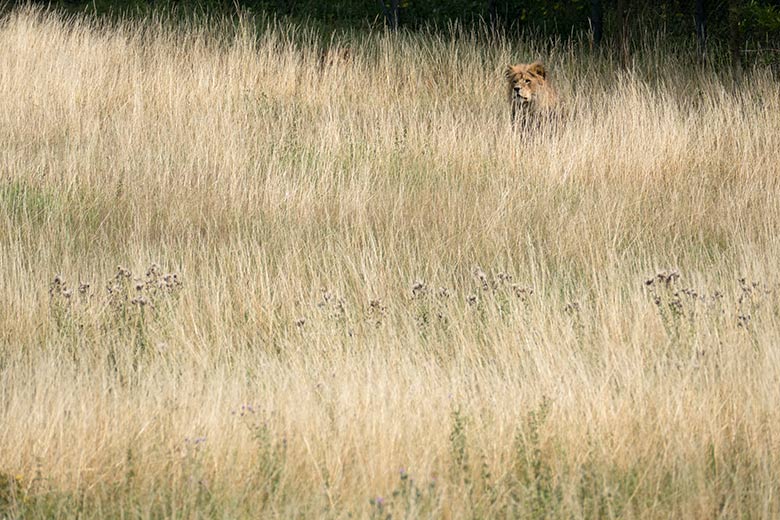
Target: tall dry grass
point(385, 301)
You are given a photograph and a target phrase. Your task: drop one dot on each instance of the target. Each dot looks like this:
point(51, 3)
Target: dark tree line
point(731, 24)
point(740, 26)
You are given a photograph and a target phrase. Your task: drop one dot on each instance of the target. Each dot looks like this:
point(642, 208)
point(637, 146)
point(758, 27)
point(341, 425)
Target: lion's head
point(528, 83)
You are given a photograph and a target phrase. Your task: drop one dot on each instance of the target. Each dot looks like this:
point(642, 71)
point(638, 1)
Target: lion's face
point(526, 82)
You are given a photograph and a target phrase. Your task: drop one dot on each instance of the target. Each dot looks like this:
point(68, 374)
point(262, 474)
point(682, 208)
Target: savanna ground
point(353, 290)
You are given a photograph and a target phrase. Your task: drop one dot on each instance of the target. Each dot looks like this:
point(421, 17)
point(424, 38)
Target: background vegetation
point(246, 273)
point(750, 29)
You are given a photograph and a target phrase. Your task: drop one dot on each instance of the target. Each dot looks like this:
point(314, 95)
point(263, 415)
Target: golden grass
point(390, 302)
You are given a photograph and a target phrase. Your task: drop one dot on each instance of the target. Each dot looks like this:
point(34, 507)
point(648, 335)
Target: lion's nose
point(517, 90)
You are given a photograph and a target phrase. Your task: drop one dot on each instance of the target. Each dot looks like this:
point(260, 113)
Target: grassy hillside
point(238, 283)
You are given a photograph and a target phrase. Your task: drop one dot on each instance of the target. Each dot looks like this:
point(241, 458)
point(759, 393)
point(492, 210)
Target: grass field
point(352, 289)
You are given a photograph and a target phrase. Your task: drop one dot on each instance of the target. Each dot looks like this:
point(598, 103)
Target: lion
point(530, 94)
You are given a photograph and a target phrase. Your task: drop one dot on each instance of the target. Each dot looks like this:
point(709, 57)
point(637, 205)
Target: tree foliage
point(744, 26)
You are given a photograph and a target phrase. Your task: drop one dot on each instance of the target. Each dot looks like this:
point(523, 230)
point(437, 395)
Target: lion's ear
point(509, 72)
point(538, 68)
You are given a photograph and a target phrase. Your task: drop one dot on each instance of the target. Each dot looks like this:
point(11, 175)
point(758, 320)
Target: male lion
point(531, 95)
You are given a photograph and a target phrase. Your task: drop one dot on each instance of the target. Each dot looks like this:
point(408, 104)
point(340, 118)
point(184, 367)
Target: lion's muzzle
point(517, 95)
